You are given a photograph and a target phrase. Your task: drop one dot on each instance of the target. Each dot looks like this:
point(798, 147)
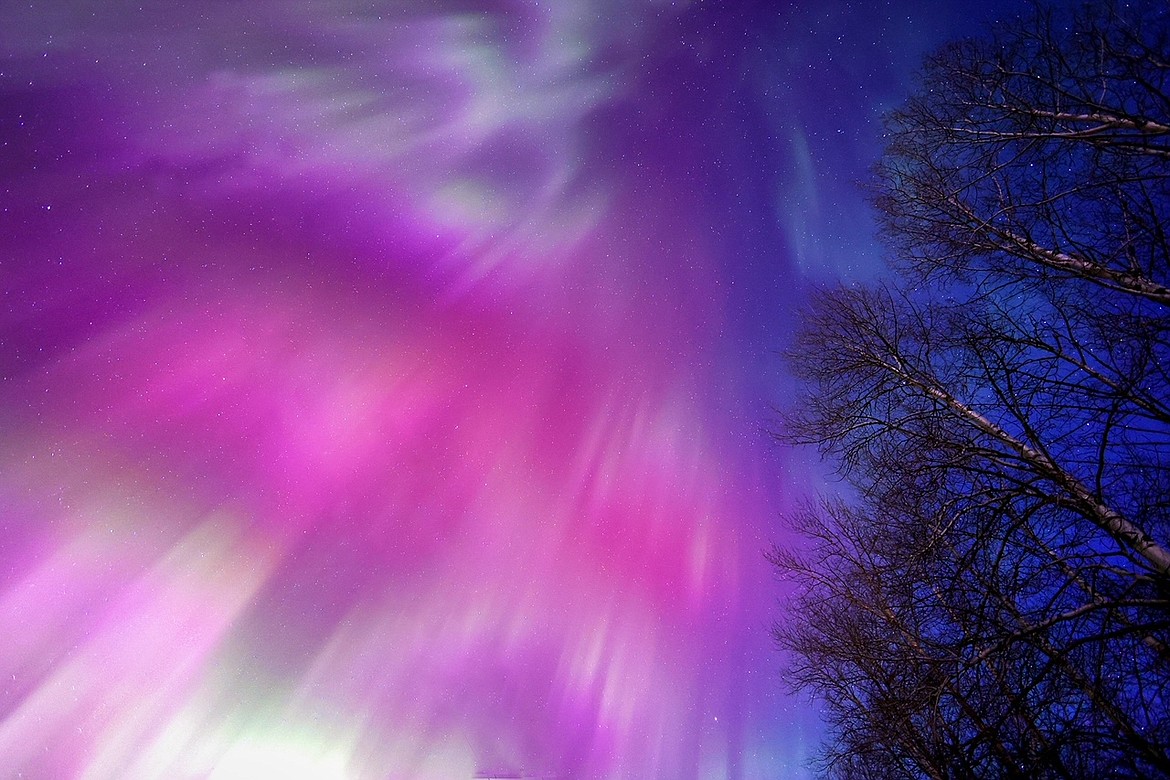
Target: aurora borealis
point(384, 386)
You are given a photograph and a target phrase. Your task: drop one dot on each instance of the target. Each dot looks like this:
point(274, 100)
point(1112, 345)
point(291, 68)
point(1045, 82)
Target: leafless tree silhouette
point(992, 598)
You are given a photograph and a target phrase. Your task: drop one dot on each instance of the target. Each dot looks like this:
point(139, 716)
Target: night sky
point(385, 386)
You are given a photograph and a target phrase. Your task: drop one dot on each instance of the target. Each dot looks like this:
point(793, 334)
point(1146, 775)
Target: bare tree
point(1040, 151)
point(994, 598)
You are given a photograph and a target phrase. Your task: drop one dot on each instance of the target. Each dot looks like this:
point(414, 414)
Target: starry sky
point(385, 386)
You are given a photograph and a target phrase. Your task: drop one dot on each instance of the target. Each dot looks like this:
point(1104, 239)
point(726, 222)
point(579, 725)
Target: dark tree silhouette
point(992, 598)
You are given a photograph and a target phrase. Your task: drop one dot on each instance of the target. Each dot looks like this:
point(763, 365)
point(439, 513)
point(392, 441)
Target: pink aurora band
point(352, 425)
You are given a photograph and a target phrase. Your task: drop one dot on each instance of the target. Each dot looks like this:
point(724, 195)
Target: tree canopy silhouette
point(992, 597)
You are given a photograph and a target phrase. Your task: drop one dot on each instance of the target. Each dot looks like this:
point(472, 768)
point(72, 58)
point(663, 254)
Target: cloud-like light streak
point(355, 425)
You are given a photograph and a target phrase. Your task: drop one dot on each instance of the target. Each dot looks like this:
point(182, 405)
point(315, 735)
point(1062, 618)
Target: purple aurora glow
point(362, 415)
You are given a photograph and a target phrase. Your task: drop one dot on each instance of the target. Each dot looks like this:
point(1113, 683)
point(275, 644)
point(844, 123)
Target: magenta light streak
point(352, 426)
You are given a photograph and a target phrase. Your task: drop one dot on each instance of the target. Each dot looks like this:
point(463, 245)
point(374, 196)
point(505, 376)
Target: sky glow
point(383, 392)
